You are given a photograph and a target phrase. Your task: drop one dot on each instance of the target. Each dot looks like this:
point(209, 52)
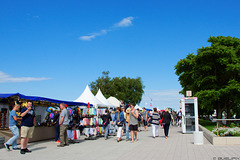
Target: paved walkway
point(177, 147)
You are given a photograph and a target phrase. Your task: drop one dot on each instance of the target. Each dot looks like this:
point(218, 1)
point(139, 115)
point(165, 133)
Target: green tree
point(104, 83)
point(129, 90)
point(213, 74)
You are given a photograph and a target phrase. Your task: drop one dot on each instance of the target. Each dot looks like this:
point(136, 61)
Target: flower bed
point(232, 130)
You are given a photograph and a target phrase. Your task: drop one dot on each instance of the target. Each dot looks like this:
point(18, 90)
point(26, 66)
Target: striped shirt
point(155, 118)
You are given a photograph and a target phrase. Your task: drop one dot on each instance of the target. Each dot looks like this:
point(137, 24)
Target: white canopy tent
point(138, 107)
point(101, 98)
point(114, 101)
point(88, 97)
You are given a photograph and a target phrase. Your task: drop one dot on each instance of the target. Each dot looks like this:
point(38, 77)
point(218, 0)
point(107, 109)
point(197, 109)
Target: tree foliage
point(213, 74)
point(129, 90)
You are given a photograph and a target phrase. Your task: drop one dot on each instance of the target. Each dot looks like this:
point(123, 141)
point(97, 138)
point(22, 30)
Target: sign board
point(189, 93)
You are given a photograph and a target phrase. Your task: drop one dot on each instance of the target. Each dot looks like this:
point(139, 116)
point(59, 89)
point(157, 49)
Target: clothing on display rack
point(73, 134)
point(101, 111)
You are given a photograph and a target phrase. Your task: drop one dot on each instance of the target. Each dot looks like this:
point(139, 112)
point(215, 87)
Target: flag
point(151, 102)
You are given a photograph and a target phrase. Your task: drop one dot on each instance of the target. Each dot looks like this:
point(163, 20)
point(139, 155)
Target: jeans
point(13, 140)
point(106, 129)
point(166, 129)
point(112, 127)
point(57, 127)
point(127, 131)
point(155, 130)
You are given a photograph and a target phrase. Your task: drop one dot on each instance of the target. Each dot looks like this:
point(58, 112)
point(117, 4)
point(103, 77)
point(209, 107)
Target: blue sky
point(55, 48)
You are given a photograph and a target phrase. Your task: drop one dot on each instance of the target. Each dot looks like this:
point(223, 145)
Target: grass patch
point(207, 124)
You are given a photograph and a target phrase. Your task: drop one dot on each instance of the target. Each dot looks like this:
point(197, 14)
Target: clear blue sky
point(55, 48)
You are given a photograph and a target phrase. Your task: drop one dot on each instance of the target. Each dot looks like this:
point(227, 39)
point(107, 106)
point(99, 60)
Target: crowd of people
point(115, 123)
point(131, 120)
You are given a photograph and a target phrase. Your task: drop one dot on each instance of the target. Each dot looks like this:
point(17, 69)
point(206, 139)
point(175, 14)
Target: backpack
point(139, 117)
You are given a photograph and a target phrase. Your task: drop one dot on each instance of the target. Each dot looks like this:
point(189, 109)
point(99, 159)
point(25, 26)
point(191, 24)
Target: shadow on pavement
point(38, 148)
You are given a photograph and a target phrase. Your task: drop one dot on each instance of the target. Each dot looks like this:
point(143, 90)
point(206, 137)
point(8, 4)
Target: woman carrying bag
point(119, 118)
point(166, 122)
point(106, 121)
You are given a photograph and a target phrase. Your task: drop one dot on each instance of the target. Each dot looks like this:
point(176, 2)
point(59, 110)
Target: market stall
point(40, 104)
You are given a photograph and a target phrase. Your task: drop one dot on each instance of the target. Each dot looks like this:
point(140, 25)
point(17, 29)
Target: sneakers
point(16, 148)
point(27, 150)
point(23, 151)
point(7, 146)
point(60, 145)
point(57, 141)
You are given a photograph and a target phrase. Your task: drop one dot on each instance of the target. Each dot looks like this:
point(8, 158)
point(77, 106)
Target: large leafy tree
point(129, 90)
point(213, 74)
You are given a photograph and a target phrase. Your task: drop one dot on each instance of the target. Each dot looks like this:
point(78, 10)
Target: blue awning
point(35, 98)
point(148, 109)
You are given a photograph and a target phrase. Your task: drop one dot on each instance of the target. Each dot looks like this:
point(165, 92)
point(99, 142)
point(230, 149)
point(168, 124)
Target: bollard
point(198, 137)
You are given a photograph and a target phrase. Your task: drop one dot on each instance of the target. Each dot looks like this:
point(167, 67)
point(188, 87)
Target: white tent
point(114, 101)
point(101, 98)
point(138, 107)
point(88, 97)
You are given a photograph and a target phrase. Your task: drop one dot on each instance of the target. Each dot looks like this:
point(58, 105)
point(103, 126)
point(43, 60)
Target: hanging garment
point(78, 134)
point(70, 134)
point(85, 121)
point(91, 131)
point(74, 135)
point(86, 132)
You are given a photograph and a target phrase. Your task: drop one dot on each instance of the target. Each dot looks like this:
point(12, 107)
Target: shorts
point(27, 132)
point(133, 127)
point(144, 123)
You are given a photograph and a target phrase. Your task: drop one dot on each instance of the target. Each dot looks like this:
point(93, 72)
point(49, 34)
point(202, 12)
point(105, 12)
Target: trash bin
point(198, 137)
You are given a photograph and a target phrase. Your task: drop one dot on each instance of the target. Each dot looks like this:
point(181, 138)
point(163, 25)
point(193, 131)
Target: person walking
point(155, 122)
point(27, 126)
point(106, 121)
point(174, 115)
point(64, 120)
point(112, 124)
point(127, 123)
point(145, 119)
point(124, 114)
point(13, 121)
point(57, 126)
point(166, 122)
point(133, 122)
point(119, 118)
point(140, 120)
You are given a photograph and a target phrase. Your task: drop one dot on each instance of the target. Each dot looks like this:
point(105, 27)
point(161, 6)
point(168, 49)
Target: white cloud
point(125, 22)
point(93, 35)
point(162, 99)
point(87, 38)
point(6, 78)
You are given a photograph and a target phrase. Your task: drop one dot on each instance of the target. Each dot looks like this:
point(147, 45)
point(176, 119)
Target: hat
point(128, 110)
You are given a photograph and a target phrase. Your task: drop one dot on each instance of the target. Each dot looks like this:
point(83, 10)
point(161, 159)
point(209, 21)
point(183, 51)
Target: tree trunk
point(219, 113)
point(229, 114)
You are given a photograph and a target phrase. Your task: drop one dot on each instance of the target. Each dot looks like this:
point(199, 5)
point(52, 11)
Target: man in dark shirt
point(27, 126)
point(57, 126)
